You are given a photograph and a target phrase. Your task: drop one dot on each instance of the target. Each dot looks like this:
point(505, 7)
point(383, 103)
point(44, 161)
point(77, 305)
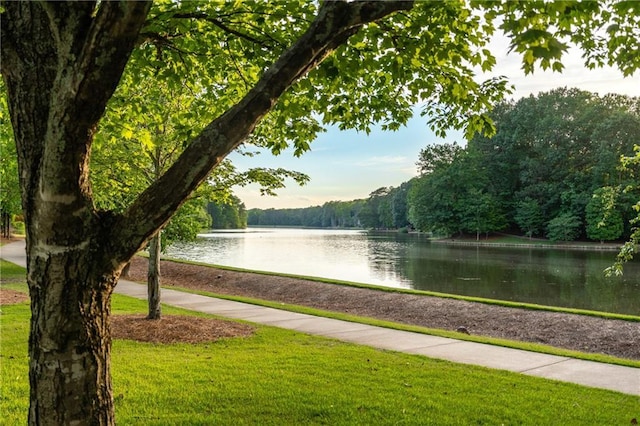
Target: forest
point(553, 170)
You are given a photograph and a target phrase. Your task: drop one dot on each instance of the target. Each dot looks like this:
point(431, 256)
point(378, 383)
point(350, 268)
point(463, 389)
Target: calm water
point(550, 277)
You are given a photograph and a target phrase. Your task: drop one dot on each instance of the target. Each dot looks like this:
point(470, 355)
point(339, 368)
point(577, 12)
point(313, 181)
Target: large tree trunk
point(69, 345)
point(153, 277)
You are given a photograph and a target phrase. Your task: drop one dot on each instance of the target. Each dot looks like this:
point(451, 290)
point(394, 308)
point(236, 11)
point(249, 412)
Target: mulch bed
point(10, 297)
point(176, 329)
point(166, 330)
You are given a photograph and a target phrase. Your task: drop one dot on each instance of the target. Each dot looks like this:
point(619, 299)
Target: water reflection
point(549, 277)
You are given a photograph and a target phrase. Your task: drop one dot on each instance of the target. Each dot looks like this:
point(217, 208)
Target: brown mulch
point(11, 297)
point(166, 330)
point(6, 240)
point(176, 329)
point(578, 332)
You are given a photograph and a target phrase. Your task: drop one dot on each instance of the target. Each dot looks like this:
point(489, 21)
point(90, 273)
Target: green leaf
point(127, 133)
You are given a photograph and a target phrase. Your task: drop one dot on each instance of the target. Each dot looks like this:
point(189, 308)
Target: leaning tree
point(295, 66)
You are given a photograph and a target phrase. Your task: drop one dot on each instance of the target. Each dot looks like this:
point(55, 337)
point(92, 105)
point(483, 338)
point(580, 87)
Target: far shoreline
point(529, 243)
point(544, 245)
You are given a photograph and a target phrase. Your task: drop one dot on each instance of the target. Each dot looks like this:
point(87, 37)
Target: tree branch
point(105, 53)
point(335, 23)
point(90, 55)
point(218, 23)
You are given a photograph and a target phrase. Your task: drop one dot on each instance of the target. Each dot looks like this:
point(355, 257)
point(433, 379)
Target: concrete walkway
point(587, 373)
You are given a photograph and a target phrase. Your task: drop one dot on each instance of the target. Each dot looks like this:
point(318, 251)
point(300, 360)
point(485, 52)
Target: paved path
point(587, 373)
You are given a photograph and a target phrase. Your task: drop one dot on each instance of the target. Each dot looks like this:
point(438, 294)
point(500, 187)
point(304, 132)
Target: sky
point(347, 165)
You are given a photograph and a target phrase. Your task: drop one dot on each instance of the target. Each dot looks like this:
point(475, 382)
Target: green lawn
point(10, 272)
point(282, 377)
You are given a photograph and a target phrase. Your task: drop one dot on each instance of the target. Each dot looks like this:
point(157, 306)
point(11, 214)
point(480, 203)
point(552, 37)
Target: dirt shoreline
point(578, 332)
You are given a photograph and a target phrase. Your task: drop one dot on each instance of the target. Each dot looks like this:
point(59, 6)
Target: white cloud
point(600, 80)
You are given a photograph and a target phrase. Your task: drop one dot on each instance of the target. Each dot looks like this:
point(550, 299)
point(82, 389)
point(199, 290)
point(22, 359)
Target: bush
point(565, 227)
point(604, 221)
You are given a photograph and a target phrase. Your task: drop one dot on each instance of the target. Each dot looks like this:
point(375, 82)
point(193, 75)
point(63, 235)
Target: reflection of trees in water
point(548, 277)
point(389, 253)
point(386, 258)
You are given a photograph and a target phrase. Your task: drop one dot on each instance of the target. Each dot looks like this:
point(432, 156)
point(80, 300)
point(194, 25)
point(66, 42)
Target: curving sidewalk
point(588, 373)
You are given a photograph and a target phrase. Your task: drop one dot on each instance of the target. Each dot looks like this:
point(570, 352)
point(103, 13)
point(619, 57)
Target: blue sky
point(346, 165)
point(343, 165)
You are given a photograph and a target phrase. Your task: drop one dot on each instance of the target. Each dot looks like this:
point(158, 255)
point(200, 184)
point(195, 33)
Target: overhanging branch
point(106, 50)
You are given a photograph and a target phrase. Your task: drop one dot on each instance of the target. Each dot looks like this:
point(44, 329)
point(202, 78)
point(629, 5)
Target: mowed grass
point(279, 377)
point(12, 273)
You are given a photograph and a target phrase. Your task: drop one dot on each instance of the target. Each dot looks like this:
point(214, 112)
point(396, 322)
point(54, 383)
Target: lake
point(568, 278)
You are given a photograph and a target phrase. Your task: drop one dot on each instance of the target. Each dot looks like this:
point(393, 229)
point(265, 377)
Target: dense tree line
point(333, 214)
point(227, 214)
point(386, 208)
point(552, 170)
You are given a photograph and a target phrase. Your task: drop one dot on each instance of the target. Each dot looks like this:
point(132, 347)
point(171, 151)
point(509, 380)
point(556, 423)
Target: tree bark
point(153, 277)
point(69, 343)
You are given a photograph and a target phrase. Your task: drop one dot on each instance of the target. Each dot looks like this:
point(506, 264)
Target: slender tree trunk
point(6, 225)
point(153, 277)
